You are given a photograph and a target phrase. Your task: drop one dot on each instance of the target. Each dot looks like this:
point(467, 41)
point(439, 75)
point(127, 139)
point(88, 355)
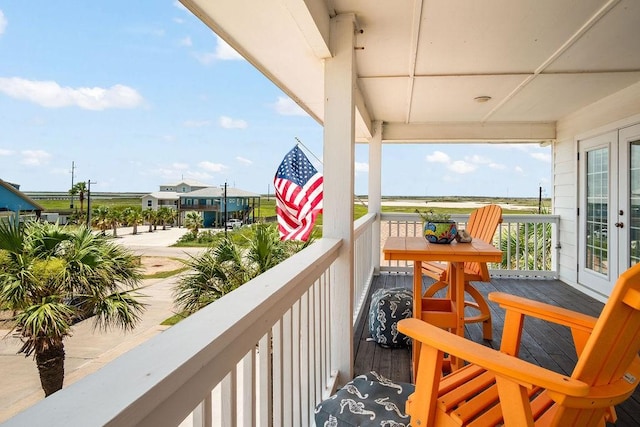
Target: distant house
point(159, 199)
point(13, 201)
point(216, 208)
point(168, 194)
point(183, 186)
point(210, 201)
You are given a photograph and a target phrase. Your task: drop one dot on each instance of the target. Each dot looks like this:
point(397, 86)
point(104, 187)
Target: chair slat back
point(615, 340)
point(482, 225)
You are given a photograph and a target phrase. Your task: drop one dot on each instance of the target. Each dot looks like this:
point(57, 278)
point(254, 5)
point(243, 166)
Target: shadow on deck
point(544, 344)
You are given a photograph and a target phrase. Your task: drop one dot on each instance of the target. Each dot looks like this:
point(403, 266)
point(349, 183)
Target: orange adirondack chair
point(482, 225)
point(497, 387)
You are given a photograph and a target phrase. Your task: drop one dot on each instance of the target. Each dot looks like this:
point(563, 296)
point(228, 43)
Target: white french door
point(609, 215)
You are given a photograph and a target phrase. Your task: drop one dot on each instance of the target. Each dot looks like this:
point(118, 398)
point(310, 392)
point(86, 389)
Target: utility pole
point(89, 202)
point(225, 209)
point(73, 166)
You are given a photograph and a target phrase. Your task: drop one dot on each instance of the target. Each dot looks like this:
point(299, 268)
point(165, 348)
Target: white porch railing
point(260, 355)
point(528, 242)
point(363, 261)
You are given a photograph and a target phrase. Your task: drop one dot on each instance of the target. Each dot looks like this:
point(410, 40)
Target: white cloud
point(478, 159)
point(225, 52)
point(438, 157)
point(222, 52)
point(3, 23)
point(286, 107)
point(461, 166)
point(199, 176)
point(34, 157)
point(518, 169)
point(180, 6)
point(229, 123)
point(50, 94)
point(180, 166)
point(498, 166)
point(60, 171)
point(361, 167)
point(196, 123)
point(205, 58)
point(543, 157)
point(186, 42)
point(178, 20)
point(4, 152)
point(146, 31)
point(212, 167)
point(244, 160)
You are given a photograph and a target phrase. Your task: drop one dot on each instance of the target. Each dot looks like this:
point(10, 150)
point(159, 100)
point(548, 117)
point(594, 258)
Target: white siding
point(615, 111)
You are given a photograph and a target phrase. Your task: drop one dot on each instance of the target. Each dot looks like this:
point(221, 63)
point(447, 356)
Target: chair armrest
point(548, 312)
point(502, 364)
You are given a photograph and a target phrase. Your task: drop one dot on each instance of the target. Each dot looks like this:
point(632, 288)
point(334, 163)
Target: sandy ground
point(157, 264)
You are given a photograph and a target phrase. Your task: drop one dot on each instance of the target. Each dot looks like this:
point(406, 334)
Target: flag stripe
point(298, 196)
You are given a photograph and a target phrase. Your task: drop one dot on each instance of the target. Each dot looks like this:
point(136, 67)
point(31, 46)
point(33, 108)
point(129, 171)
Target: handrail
point(164, 379)
point(529, 242)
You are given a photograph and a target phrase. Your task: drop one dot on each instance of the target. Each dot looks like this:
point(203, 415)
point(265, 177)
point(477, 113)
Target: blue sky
point(141, 93)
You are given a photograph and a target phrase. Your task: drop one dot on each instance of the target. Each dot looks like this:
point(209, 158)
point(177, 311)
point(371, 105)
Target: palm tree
point(80, 190)
point(114, 218)
point(52, 276)
point(193, 222)
point(215, 273)
point(149, 216)
point(73, 191)
point(528, 247)
point(134, 217)
point(100, 218)
point(266, 250)
point(165, 215)
point(220, 270)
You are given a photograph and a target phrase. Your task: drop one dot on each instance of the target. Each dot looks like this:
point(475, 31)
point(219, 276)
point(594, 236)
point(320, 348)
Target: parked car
point(234, 223)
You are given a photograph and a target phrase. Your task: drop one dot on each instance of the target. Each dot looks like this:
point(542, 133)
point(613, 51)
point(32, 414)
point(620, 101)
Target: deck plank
point(544, 344)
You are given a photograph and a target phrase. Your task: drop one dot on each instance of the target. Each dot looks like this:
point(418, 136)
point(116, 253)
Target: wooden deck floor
point(543, 344)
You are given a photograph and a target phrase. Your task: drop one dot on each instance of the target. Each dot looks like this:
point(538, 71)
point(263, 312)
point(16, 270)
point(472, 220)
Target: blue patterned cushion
point(368, 400)
point(388, 306)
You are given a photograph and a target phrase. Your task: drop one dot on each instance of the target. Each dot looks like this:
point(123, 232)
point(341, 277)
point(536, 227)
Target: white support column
point(375, 190)
point(339, 148)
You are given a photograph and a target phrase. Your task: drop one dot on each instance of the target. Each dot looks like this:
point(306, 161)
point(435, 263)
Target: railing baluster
point(304, 360)
point(287, 369)
point(278, 368)
point(229, 399)
point(265, 416)
point(202, 415)
point(248, 390)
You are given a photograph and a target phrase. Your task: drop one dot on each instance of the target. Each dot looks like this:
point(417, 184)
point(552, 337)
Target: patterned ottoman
point(388, 306)
point(368, 400)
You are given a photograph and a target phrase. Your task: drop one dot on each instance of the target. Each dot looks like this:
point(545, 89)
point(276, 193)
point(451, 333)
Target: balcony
point(267, 353)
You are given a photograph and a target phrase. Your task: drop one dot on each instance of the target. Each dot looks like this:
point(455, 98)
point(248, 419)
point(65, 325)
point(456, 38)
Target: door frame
point(598, 283)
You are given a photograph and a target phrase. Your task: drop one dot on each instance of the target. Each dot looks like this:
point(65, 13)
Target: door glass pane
point(634, 203)
point(597, 167)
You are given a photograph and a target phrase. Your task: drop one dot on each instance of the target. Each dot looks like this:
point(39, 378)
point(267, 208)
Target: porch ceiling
point(421, 63)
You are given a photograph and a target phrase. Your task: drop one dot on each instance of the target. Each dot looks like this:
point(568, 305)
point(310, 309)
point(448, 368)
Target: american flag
point(298, 196)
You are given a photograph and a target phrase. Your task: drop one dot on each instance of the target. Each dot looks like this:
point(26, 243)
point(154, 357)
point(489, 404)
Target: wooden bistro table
point(444, 312)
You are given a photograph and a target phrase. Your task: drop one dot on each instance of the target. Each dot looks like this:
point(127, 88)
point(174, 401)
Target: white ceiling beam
point(312, 18)
point(413, 54)
point(364, 126)
point(468, 132)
